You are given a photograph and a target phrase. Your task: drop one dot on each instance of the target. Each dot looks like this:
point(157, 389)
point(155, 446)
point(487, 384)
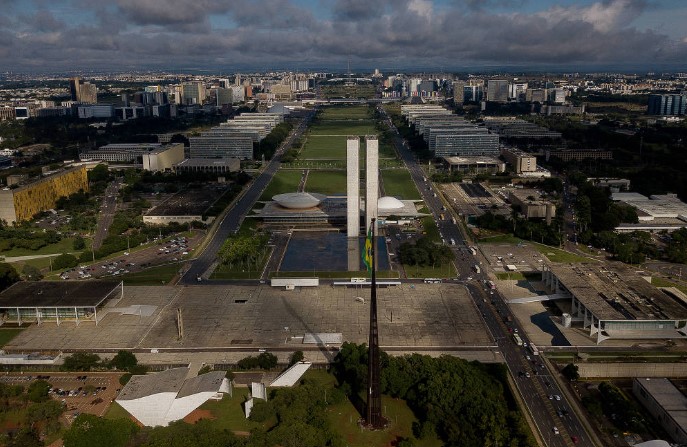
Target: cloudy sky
point(54, 35)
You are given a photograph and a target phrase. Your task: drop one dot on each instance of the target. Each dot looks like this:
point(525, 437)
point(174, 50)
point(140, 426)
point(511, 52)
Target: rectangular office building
point(210, 146)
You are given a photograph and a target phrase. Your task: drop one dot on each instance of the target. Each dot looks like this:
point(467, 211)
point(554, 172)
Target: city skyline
point(299, 34)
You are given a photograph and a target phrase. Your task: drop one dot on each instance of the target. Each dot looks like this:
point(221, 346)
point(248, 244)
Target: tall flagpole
point(373, 418)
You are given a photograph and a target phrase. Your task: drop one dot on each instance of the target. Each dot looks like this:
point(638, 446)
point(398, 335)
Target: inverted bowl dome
point(389, 203)
point(298, 200)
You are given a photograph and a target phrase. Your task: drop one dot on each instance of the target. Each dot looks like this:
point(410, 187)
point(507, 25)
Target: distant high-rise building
point(82, 91)
point(667, 105)
point(458, 94)
point(193, 92)
point(517, 91)
point(497, 90)
point(473, 93)
point(557, 95)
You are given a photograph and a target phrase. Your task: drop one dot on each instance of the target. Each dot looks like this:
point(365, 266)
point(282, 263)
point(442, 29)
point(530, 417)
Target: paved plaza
point(413, 316)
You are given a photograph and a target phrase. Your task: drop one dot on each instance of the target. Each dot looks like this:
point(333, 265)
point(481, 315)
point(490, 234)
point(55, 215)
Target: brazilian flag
point(367, 254)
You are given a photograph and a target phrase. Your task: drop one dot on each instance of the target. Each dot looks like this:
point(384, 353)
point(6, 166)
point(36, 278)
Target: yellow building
point(26, 201)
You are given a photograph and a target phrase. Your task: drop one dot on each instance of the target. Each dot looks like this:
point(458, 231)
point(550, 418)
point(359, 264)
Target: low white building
point(164, 397)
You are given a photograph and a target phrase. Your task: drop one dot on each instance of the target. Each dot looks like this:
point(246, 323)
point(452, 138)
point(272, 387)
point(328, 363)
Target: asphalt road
point(233, 219)
point(539, 390)
point(108, 208)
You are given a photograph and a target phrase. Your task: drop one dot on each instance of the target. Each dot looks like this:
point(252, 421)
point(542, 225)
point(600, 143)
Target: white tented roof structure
point(167, 396)
point(292, 375)
point(654, 443)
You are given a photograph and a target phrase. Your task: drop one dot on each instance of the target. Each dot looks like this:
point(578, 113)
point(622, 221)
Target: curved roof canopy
point(298, 200)
point(389, 203)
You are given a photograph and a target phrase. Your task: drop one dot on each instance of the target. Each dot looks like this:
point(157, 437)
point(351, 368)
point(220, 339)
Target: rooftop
point(617, 292)
point(57, 294)
point(169, 381)
point(192, 202)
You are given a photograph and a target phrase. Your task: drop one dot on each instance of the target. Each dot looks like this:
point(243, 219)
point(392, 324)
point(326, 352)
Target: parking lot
point(158, 251)
point(90, 393)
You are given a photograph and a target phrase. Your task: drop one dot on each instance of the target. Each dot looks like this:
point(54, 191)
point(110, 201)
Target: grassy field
point(282, 182)
point(431, 230)
point(657, 281)
point(326, 182)
point(500, 239)
point(152, 276)
point(398, 183)
point(115, 411)
point(557, 255)
point(7, 334)
point(347, 112)
point(444, 271)
point(344, 417)
point(65, 245)
point(318, 147)
point(344, 128)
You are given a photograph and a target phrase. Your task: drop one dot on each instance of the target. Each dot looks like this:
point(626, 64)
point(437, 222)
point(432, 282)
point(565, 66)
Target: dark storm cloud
point(358, 9)
point(269, 33)
point(169, 12)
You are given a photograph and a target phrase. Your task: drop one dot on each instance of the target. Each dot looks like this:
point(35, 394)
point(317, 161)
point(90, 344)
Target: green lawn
point(326, 182)
point(431, 230)
point(445, 271)
point(65, 245)
point(7, 334)
point(398, 183)
point(557, 255)
point(224, 272)
point(344, 418)
point(342, 113)
point(282, 182)
point(318, 147)
point(500, 239)
point(228, 412)
point(116, 412)
point(657, 281)
point(154, 276)
point(344, 128)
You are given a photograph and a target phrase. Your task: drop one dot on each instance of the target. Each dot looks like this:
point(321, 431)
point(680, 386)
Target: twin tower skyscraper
point(353, 192)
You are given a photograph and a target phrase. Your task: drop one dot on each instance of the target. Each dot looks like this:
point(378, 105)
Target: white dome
point(389, 203)
point(298, 200)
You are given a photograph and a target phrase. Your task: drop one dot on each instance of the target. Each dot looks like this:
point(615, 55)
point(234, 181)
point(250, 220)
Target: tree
point(124, 360)
point(31, 273)
point(267, 360)
point(99, 174)
point(38, 391)
point(80, 361)
point(8, 275)
point(89, 430)
point(25, 437)
point(571, 372)
point(64, 261)
point(204, 370)
point(79, 243)
point(296, 357)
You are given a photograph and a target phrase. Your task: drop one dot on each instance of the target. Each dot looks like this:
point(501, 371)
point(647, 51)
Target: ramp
point(292, 375)
point(538, 298)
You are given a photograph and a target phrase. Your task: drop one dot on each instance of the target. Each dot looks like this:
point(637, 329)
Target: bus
point(517, 339)
point(534, 349)
point(432, 281)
